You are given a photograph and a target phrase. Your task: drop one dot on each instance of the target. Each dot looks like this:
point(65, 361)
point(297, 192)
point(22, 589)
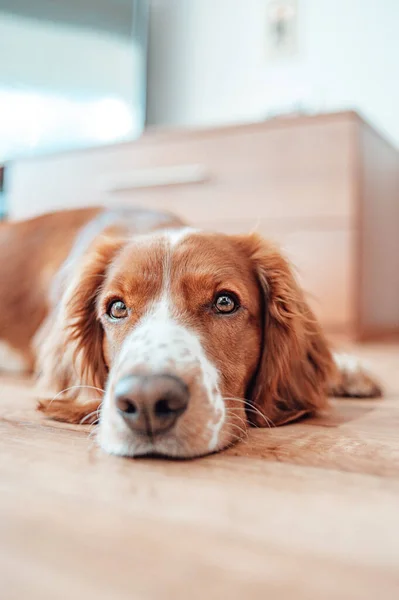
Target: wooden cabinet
point(325, 188)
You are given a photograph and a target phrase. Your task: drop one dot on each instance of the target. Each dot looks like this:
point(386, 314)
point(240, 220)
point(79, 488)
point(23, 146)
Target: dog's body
point(189, 335)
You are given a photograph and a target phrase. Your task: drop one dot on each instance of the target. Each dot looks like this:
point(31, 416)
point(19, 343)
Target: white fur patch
point(349, 363)
point(172, 236)
point(11, 361)
point(175, 236)
point(355, 378)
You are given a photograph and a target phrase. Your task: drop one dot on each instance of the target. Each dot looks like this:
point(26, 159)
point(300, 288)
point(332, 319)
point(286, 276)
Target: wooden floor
point(306, 511)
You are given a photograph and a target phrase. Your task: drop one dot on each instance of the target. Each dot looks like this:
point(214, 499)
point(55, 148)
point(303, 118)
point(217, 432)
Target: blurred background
point(73, 73)
point(272, 115)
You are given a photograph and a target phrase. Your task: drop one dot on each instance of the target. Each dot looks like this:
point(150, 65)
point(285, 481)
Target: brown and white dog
point(173, 338)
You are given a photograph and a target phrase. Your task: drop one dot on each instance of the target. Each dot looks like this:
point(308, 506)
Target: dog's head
point(192, 335)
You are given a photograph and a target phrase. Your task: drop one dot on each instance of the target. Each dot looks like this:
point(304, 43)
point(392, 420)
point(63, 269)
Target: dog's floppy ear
point(84, 331)
point(295, 363)
point(70, 343)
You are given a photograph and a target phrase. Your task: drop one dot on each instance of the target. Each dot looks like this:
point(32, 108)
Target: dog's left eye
point(117, 310)
point(225, 303)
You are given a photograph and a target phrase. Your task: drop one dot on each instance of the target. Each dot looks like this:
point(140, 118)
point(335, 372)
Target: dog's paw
point(354, 379)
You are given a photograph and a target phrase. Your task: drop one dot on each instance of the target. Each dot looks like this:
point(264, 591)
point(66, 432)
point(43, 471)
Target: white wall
point(208, 62)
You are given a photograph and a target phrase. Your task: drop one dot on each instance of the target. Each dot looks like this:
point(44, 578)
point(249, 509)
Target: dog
point(173, 339)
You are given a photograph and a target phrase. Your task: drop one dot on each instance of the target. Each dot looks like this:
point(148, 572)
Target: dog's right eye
point(225, 303)
point(117, 310)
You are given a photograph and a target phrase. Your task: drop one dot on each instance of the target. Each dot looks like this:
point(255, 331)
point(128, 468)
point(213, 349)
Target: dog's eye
point(225, 303)
point(117, 310)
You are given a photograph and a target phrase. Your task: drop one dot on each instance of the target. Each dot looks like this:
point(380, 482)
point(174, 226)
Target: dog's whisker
point(73, 387)
point(95, 412)
point(243, 431)
point(251, 408)
point(234, 441)
point(92, 432)
point(234, 417)
point(255, 227)
point(254, 411)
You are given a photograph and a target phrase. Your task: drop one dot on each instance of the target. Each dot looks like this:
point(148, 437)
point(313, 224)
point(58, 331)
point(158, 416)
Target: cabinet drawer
point(300, 170)
point(324, 264)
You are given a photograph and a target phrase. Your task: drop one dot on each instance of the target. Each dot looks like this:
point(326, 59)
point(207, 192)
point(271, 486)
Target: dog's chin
point(165, 447)
point(152, 450)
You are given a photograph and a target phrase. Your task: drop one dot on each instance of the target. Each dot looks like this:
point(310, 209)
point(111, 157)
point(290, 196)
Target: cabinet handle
point(156, 177)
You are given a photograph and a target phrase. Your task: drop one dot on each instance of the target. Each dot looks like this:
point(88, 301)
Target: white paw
point(354, 378)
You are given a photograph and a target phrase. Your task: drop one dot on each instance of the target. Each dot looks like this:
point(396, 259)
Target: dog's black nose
point(151, 404)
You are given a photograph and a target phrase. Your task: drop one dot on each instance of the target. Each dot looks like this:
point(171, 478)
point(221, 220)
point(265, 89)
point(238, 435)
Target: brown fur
point(31, 254)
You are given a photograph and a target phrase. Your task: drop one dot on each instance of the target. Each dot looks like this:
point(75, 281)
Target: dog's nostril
point(127, 406)
point(163, 408)
point(173, 402)
point(131, 408)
